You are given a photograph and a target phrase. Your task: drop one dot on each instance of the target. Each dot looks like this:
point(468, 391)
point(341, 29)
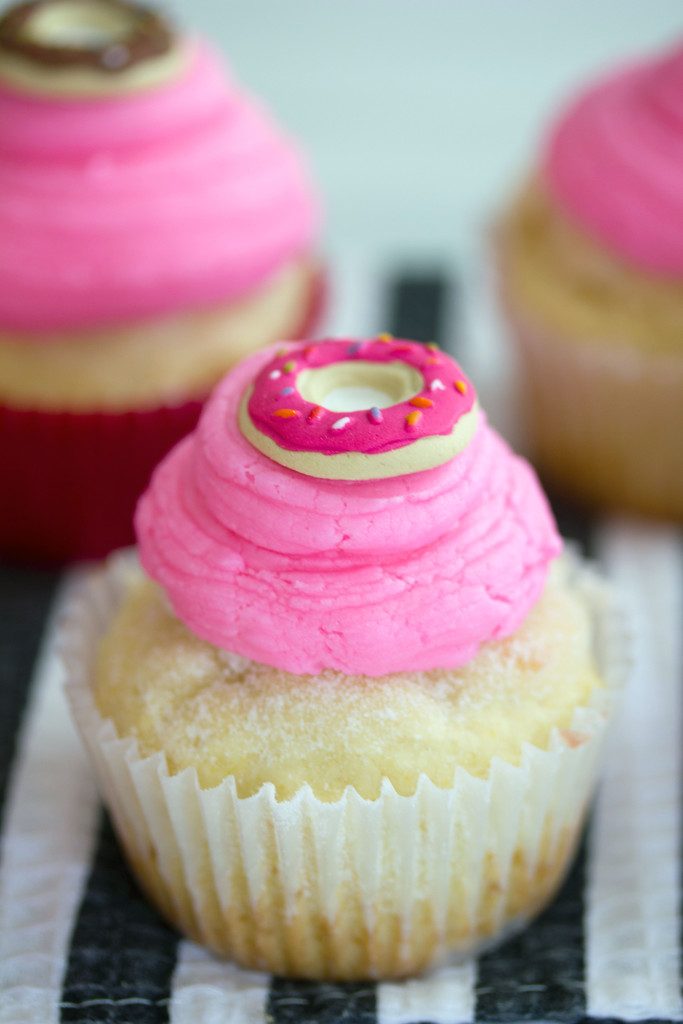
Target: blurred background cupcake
point(591, 259)
point(155, 226)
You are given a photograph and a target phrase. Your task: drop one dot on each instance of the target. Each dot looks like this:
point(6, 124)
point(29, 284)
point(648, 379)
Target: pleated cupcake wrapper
point(353, 888)
point(605, 420)
point(71, 480)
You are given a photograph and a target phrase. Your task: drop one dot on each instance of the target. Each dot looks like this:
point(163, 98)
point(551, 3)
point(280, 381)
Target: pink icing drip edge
point(613, 162)
point(290, 571)
point(126, 208)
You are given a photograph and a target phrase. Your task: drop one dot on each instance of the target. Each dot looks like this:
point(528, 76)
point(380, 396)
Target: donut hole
point(361, 384)
point(80, 24)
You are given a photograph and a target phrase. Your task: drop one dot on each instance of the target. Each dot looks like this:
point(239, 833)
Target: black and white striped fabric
point(79, 944)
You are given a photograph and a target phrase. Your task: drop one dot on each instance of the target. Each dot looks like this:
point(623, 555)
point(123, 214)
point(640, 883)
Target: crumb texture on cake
point(224, 715)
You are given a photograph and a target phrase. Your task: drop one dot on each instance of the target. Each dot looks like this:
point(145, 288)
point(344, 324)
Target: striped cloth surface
point(79, 944)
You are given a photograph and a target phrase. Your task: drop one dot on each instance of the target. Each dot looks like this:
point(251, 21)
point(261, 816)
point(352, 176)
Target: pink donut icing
point(407, 573)
point(278, 410)
point(615, 163)
point(131, 206)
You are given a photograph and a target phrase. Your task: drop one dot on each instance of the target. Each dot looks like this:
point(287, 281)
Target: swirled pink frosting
point(615, 163)
point(124, 207)
point(371, 577)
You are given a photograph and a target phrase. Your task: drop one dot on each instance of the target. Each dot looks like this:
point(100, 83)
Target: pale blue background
point(419, 114)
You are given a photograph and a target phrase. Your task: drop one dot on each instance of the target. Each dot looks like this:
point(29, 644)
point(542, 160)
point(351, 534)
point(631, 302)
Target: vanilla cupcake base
point(601, 361)
point(349, 888)
point(604, 422)
point(163, 360)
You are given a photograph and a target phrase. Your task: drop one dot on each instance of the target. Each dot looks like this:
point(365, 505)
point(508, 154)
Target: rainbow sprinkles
point(354, 410)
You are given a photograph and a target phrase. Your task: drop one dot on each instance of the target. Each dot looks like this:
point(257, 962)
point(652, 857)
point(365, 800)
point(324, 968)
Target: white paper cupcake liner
point(355, 888)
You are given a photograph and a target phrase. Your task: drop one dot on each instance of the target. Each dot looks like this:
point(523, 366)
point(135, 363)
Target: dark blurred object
point(417, 308)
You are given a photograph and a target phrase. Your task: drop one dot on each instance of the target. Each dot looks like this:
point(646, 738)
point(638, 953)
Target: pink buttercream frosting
point(135, 205)
point(615, 163)
point(365, 577)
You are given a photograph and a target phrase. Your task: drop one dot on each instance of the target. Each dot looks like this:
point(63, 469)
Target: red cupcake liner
point(69, 482)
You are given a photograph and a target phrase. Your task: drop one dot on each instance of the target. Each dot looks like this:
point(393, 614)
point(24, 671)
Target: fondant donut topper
point(344, 409)
point(81, 46)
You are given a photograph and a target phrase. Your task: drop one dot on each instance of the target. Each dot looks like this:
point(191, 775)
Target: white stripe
point(486, 356)
point(632, 923)
point(446, 996)
point(46, 846)
point(355, 306)
point(208, 991)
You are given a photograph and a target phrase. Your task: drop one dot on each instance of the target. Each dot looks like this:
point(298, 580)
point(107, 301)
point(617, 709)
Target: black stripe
point(122, 955)
point(619, 1020)
point(574, 522)
point(538, 976)
point(302, 1002)
point(417, 305)
point(25, 599)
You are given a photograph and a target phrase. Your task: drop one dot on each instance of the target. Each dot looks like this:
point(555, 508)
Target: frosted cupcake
point(347, 717)
point(592, 270)
point(155, 227)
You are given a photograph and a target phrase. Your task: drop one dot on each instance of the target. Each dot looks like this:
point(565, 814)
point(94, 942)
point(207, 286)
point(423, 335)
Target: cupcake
point(347, 709)
point(591, 254)
point(155, 227)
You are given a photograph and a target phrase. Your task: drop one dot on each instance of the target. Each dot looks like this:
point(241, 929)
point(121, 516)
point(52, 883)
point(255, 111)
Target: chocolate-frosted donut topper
point(97, 36)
